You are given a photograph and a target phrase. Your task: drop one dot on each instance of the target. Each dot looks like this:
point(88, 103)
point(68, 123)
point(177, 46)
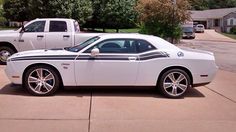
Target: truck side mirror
point(22, 29)
point(95, 52)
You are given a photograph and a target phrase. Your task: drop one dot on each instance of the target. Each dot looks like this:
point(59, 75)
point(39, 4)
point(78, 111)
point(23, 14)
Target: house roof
point(213, 13)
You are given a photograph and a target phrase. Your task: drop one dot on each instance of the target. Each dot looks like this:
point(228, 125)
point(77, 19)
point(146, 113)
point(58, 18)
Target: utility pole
point(173, 18)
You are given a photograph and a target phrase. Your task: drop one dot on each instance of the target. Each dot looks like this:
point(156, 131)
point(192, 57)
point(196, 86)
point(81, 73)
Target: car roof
point(157, 41)
point(65, 19)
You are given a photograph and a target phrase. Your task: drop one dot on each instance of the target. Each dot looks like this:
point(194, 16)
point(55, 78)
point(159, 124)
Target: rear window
point(58, 26)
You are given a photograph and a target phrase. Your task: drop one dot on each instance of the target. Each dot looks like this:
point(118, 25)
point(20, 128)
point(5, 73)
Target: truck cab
point(42, 33)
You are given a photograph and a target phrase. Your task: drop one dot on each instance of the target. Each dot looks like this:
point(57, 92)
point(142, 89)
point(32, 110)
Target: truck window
point(37, 26)
point(76, 26)
point(58, 26)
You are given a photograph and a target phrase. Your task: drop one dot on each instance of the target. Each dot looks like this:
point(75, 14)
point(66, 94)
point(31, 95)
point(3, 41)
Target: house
point(222, 20)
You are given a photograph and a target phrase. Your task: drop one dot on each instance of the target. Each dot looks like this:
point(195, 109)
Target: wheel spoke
point(182, 86)
point(33, 79)
point(48, 86)
point(172, 77)
point(174, 91)
point(167, 85)
point(49, 77)
point(38, 88)
point(40, 73)
point(180, 78)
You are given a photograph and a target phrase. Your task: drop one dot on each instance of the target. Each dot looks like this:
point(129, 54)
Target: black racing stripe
point(152, 57)
point(54, 57)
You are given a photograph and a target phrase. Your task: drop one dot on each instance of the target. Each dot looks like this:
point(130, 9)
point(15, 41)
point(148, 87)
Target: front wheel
point(174, 83)
point(5, 52)
point(41, 80)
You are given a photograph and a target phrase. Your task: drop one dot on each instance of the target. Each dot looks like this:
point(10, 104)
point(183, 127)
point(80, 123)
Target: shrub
point(233, 30)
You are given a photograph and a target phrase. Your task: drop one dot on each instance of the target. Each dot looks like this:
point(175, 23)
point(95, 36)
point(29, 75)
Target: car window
point(144, 46)
point(37, 26)
point(58, 26)
point(115, 46)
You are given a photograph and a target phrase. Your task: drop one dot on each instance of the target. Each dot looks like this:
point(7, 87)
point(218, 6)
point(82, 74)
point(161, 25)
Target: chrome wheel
point(175, 84)
point(41, 81)
point(4, 54)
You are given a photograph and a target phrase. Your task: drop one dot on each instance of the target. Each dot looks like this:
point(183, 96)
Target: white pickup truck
point(41, 34)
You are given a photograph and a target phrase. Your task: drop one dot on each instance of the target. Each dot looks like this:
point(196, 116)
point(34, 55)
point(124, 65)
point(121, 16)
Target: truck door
point(59, 34)
point(33, 37)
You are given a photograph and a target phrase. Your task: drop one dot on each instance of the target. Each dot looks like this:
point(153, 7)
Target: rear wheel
point(5, 52)
point(174, 83)
point(41, 80)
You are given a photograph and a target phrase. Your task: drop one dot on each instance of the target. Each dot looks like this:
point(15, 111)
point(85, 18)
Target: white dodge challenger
point(113, 60)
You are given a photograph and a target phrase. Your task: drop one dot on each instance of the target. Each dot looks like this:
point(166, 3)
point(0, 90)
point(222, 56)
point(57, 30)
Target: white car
point(113, 60)
point(200, 28)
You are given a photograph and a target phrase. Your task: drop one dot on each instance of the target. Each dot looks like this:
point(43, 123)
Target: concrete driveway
point(204, 109)
point(212, 35)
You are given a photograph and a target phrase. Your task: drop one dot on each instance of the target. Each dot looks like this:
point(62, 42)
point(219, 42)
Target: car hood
point(43, 53)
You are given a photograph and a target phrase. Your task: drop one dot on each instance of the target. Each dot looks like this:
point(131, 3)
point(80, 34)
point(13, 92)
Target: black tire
point(5, 49)
point(31, 72)
point(164, 78)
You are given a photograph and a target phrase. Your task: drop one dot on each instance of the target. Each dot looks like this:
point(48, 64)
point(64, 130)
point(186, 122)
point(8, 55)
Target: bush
point(162, 18)
point(233, 30)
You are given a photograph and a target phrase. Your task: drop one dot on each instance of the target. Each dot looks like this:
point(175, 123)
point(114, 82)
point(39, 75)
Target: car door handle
point(132, 58)
point(40, 36)
point(66, 36)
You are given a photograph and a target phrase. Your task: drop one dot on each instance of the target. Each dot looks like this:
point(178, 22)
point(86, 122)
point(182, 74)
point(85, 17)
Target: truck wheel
point(5, 52)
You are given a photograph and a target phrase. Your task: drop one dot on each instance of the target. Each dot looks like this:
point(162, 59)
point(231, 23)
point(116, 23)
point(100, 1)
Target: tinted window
point(115, 46)
point(37, 26)
point(187, 29)
point(58, 26)
point(144, 46)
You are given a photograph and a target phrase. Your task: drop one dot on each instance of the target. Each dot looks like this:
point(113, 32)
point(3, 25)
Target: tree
point(199, 4)
point(113, 14)
point(16, 10)
point(80, 10)
point(215, 4)
point(163, 18)
point(40, 9)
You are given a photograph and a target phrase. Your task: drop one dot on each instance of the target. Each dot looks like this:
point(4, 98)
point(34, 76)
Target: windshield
point(187, 29)
point(82, 45)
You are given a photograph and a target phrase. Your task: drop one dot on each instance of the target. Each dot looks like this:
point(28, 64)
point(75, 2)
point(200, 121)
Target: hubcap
point(41, 81)
point(4, 54)
point(175, 83)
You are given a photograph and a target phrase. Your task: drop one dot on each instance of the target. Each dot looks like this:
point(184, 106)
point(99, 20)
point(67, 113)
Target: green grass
point(7, 28)
point(132, 30)
point(233, 36)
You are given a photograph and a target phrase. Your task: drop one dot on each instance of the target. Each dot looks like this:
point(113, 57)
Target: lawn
point(7, 28)
point(233, 36)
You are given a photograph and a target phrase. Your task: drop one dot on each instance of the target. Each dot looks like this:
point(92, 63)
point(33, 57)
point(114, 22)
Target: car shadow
point(123, 91)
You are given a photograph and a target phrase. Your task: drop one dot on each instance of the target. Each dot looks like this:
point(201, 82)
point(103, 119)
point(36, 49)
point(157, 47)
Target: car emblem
point(180, 54)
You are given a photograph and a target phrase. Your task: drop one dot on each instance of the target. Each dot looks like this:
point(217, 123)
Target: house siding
point(227, 27)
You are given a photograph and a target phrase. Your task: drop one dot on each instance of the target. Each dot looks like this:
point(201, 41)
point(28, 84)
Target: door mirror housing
point(22, 29)
point(95, 52)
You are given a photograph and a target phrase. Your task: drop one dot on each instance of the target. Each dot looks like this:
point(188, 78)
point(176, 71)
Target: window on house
point(216, 22)
point(232, 22)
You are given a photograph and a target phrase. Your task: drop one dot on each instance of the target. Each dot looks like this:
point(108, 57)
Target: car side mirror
point(95, 52)
point(22, 29)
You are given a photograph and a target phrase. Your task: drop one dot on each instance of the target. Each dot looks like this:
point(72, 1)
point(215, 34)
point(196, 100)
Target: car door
point(59, 34)
point(33, 36)
point(116, 64)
